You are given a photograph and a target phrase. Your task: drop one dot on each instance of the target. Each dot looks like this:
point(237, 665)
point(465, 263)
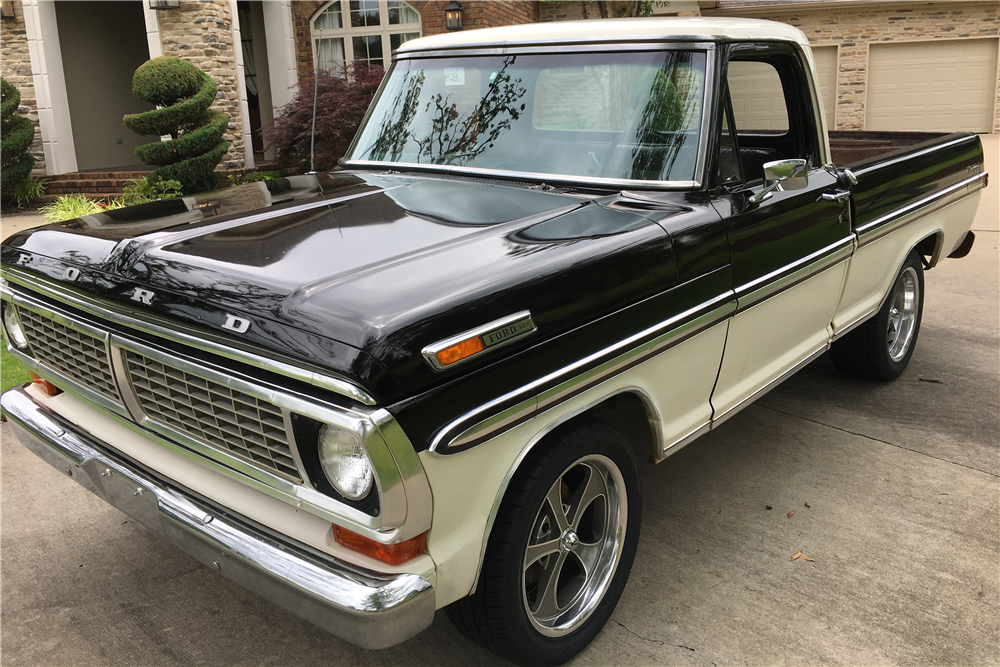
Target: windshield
point(621, 116)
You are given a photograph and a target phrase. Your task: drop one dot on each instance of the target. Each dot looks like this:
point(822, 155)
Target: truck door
point(788, 248)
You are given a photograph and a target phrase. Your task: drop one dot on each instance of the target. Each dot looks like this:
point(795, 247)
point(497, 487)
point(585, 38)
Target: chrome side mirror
point(782, 175)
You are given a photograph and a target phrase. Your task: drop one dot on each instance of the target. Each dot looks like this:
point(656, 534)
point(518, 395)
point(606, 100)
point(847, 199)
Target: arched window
point(369, 30)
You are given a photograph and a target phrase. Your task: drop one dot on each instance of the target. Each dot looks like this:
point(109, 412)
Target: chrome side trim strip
point(731, 412)
point(792, 274)
point(890, 222)
point(856, 323)
point(627, 352)
point(366, 608)
point(686, 440)
point(103, 311)
point(521, 321)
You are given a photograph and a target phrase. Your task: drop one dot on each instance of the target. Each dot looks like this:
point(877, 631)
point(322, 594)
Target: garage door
point(934, 86)
point(826, 74)
point(758, 101)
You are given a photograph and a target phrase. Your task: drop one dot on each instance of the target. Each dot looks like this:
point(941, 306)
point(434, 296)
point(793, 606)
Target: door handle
point(840, 195)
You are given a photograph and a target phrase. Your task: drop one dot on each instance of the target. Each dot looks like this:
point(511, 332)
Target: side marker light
point(393, 554)
point(459, 351)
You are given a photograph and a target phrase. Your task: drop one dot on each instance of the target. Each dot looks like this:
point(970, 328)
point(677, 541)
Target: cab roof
point(633, 29)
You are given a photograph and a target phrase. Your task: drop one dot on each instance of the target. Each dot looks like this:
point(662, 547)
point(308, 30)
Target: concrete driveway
point(895, 489)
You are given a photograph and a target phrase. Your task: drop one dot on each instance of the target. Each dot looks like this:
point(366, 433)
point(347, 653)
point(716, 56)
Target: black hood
point(364, 266)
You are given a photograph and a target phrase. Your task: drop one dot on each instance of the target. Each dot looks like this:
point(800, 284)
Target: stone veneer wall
point(482, 14)
point(854, 28)
point(302, 14)
point(202, 34)
point(15, 66)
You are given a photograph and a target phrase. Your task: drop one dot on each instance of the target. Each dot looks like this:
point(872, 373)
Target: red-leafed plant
point(343, 99)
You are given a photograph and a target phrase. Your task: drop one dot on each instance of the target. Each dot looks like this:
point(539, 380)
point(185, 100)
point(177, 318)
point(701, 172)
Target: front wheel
point(881, 348)
point(561, 548)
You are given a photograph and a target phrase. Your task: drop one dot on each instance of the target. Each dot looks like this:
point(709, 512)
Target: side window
point(758, 97)
point(769, 111)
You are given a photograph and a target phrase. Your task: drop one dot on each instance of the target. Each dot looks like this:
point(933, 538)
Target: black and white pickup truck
point(405, 385)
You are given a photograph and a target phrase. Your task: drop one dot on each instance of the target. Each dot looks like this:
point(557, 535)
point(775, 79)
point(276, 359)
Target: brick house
point(882, 65)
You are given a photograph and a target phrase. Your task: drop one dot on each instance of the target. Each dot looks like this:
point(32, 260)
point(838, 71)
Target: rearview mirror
point(782, 175)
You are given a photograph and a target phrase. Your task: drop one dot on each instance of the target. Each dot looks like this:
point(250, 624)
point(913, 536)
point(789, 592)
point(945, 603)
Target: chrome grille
point(213, 413)
point(79, 356)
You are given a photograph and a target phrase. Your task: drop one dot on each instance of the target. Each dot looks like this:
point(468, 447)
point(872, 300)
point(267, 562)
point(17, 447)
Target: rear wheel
point(561, 548)
point(880, 349)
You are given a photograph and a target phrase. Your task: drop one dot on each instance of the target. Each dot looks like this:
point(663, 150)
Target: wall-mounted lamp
point(453, 15)
point(6, 10)
point(164, 4)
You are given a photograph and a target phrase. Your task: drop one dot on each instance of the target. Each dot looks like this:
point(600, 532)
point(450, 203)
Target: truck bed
point(850, 146)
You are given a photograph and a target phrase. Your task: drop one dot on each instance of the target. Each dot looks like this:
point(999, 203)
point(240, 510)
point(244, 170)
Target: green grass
point(12, 372)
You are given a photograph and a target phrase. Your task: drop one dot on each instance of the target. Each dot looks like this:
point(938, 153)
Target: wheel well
point(930, 248)
point(631, 414)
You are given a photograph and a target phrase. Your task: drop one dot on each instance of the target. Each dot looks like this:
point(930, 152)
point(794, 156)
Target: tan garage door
point(936, 86)
point(826, 74)
point(758, 101)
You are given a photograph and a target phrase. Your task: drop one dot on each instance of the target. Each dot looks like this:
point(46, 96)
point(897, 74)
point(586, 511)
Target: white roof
point(708, 28)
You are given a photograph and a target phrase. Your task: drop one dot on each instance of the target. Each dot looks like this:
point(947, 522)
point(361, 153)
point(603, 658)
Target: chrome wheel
point(574, 545)
point(902, 314)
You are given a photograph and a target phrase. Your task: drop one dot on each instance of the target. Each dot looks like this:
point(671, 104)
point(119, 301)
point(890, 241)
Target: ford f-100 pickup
point(405, 384)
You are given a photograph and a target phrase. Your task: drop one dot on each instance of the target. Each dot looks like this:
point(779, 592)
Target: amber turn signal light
point(45, 385)
point(459, 351)
point(393, 554)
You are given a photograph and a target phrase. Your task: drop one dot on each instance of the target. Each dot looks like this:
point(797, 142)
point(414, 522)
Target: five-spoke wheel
point(902, 324)
point(561, 548)
point(881, 348)
point(574, 544)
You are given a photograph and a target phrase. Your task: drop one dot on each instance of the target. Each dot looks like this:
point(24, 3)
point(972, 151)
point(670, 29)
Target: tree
point(183, 94)
point(16, 135)
point(616, 9)
point(343, 99)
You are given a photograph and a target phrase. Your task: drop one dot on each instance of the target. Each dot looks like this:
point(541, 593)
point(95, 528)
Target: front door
point(788, 251)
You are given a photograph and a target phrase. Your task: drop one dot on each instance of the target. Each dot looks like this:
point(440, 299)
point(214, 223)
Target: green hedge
point(16, 135)
point(185, 94)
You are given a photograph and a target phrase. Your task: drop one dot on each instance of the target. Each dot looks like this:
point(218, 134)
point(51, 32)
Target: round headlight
point(345, 462)
point(14, 328)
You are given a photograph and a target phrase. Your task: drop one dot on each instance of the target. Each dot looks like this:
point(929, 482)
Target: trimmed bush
point(16, 135)
point(343, 100)
point(185, 94)
point(29, 190)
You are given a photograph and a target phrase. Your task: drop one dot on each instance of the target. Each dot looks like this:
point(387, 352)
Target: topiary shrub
point(184, 94)
point(16, 135)
point(344, 96)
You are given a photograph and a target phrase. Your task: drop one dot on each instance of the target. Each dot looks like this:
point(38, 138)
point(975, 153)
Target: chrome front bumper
point(364, 608)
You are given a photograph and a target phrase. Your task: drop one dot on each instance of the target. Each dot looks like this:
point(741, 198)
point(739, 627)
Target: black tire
point(880, 349)
point(498, 615)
